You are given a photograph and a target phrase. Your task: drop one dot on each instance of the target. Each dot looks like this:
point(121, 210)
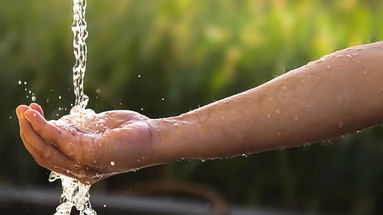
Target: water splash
point(75, 194)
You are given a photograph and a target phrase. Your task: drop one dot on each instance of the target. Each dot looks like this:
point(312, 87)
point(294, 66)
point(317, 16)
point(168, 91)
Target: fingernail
point(19, 109)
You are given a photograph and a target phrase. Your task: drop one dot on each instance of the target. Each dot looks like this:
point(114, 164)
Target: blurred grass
point(193, 52)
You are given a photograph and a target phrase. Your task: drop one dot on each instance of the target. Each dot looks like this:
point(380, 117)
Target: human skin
point(336, 95)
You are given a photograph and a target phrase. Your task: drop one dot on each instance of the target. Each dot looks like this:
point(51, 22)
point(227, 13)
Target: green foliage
point(191, 53)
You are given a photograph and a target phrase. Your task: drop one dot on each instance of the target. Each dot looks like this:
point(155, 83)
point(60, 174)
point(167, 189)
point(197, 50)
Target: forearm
point(336, 95)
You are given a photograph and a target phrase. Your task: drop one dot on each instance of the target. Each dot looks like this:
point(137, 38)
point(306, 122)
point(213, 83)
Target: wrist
point(171, 137)
point(163, 148)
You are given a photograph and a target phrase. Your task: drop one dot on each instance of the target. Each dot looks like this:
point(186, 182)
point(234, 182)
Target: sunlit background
point(166, 57)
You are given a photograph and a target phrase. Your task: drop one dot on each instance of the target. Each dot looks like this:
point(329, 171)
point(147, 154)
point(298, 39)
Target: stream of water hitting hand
point(75, 194)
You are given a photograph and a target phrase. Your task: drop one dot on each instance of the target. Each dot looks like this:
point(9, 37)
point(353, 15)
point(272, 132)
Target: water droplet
point(19, 82)
point(138, 76)
point(29, 92)
point(10, 117)
point(277, 111)
point(163, 99)
point(34, 115)
point(25, 89)
point(340, 125)
point(244, 155)
point(203, 160)
point(98, 90)
point(34, 98)
point(59, 97)
point(142, 109)
point(25, 83)
point(104, 205)
point(112, 163)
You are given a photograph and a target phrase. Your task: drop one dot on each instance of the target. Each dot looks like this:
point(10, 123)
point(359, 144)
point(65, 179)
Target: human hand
point(100, 146)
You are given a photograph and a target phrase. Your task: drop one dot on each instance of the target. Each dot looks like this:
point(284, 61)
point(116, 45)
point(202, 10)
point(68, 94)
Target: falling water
point(80, 51)
point(75, 194)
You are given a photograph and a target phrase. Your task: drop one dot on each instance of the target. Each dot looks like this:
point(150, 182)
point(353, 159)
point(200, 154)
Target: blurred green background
point(166, 57)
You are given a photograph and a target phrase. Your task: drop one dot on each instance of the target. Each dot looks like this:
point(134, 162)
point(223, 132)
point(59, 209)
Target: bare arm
point(333, 96)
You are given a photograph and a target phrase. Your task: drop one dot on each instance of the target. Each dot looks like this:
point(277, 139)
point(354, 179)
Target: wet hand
point(100, 146)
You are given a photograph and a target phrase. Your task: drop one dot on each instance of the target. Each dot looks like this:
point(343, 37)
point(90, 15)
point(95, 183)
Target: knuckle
point(52, 142)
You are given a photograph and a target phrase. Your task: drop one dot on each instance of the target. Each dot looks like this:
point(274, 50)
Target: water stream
point(74, 193)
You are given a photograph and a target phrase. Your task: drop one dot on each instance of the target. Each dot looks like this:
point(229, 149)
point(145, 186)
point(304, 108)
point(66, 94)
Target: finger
point(43, 151)
point(20, 115)
point(74, 148)
point(46, 130)
point(20, 110)
point(37, 108)
point(36, 156)
point(78, 173)
point(48, 165)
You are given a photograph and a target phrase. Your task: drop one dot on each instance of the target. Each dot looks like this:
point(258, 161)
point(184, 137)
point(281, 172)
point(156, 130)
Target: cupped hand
point(88, 146)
